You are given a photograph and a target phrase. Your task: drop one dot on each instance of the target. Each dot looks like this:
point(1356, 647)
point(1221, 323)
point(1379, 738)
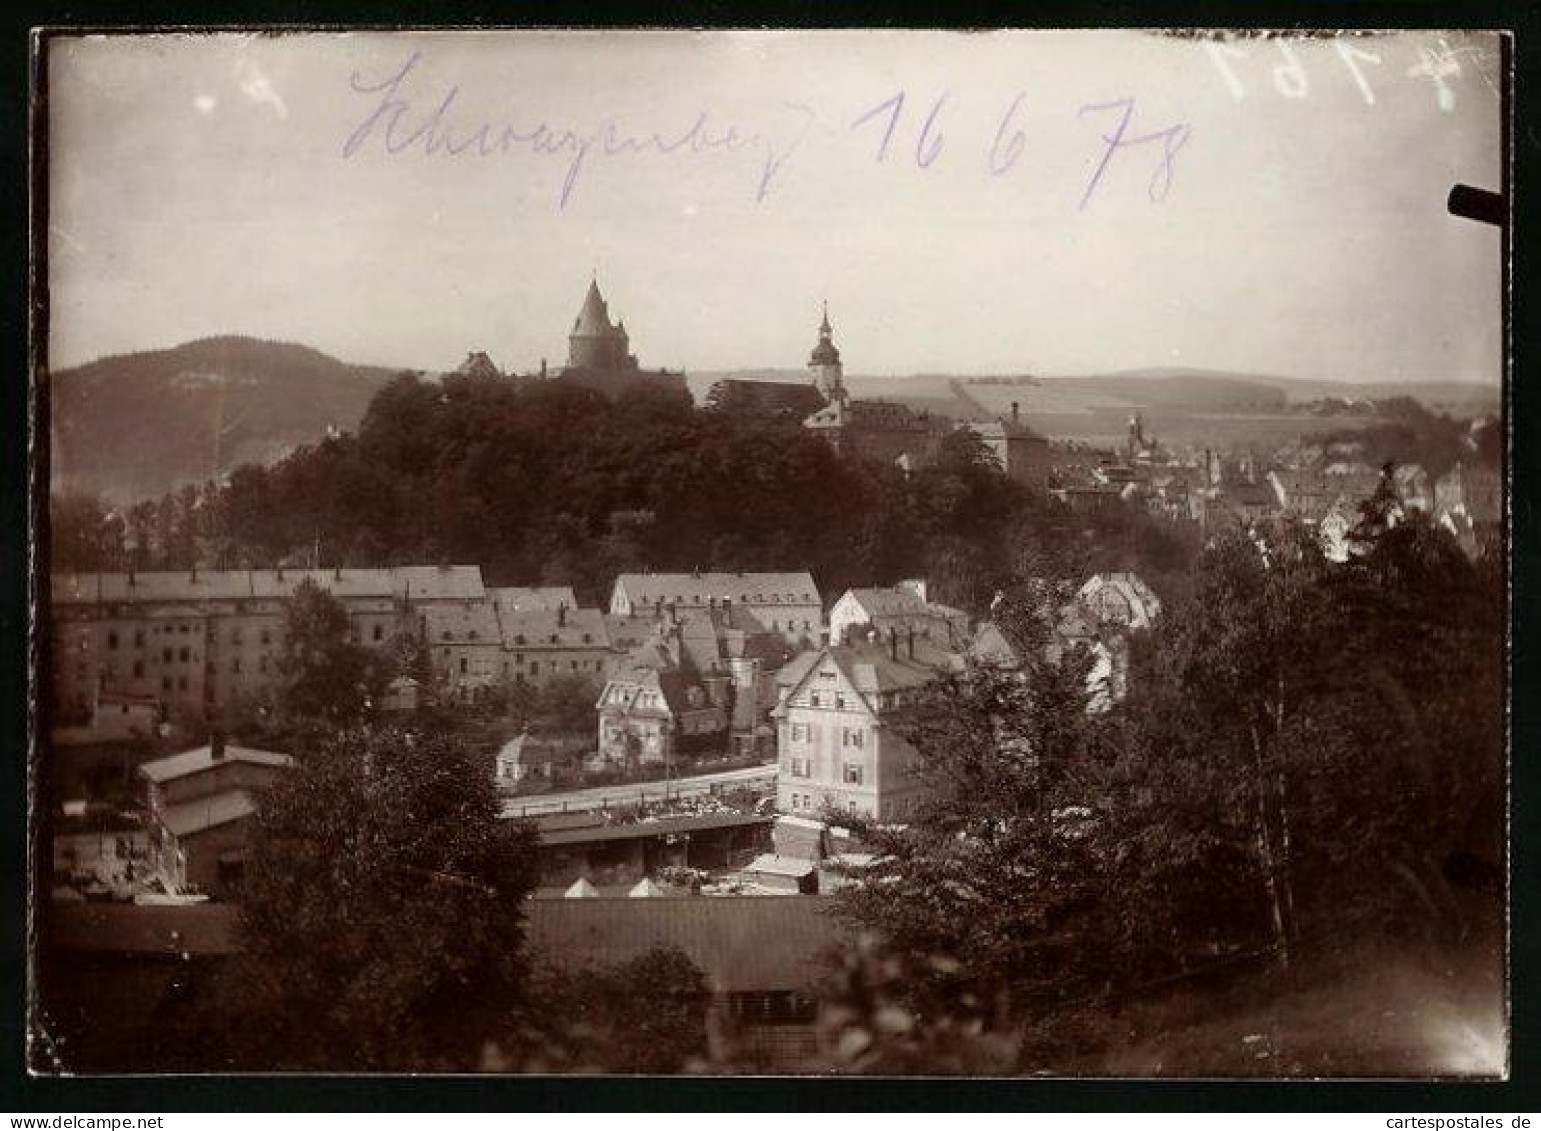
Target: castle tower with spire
point(599, 354)
point(824, 363)
point(594, 342)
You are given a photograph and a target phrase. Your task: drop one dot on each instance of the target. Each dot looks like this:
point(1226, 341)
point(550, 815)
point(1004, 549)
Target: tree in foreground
point(381, 922)
point(994, 890)
point(327, 676)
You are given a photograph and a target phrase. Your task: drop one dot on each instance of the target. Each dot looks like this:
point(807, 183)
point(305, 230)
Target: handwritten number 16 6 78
point(1010, 140)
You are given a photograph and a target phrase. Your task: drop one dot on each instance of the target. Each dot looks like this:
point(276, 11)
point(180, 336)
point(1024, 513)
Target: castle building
point(594, 342)
point(599, 352)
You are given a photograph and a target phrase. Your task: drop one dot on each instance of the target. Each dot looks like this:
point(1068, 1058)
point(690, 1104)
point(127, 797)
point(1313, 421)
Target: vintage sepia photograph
point(771, 553)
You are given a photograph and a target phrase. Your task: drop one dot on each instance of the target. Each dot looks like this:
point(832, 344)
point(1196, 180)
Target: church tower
point(824, 363)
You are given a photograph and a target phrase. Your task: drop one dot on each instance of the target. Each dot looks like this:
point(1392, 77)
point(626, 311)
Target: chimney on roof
point(280, 573)
point(674, 613)
point(912, 641)
point(561, 614)
point(216, 744)
point(893, 643)
point(337, 573)
point(1016, 412)
point(130, 579)
point(542, 367)
point(193, 576)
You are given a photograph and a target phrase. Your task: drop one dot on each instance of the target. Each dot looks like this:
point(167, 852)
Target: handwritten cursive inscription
point(399, 122)
point(404, 115)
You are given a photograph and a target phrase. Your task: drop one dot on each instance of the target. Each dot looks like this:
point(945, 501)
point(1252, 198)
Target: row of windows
point(791, 625)
point(850, 737)
point(819, 699)
point(377, 634)
point(555, 665)
point(851, 773)
point(805, 802)
point(112, 635)
point(761, 599)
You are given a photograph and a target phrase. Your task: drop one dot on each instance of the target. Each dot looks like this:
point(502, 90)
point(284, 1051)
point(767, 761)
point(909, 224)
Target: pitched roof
point(639, 691)
point(663, 826)
point(208, 812)
point(438, 582)
point(699, 588)
point(900, 602)
point(467, 622)
point(794, 670)
point(531, 749)
point(593, 319)
point(769, 863)
point(744, 944)
point(991, 646)
point(872, 669)
point(215, 585)
point(876, 416)
point(200, 759)
point(522, 599)
point(418, 582)
point(477, 364)
point(553, 628)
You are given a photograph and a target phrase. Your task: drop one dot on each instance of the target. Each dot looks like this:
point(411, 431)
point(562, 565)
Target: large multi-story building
point(836, 749)
point(197, 640)
point(542, 644)
point(464, 643)
point(785, 603)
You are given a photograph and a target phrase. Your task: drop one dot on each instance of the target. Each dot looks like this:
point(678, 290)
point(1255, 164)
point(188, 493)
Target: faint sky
point(199, 186)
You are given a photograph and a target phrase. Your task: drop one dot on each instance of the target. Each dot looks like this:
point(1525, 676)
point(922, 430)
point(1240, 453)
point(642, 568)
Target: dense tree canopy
point(381, 920)
point(544, 481)
point(1311, 757)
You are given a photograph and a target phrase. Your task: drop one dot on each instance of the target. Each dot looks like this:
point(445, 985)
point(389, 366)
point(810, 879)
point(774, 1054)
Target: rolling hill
point(137, 425)
point(140, 424)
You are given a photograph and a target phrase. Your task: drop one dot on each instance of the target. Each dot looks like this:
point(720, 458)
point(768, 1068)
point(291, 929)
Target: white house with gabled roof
point(835, 747)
